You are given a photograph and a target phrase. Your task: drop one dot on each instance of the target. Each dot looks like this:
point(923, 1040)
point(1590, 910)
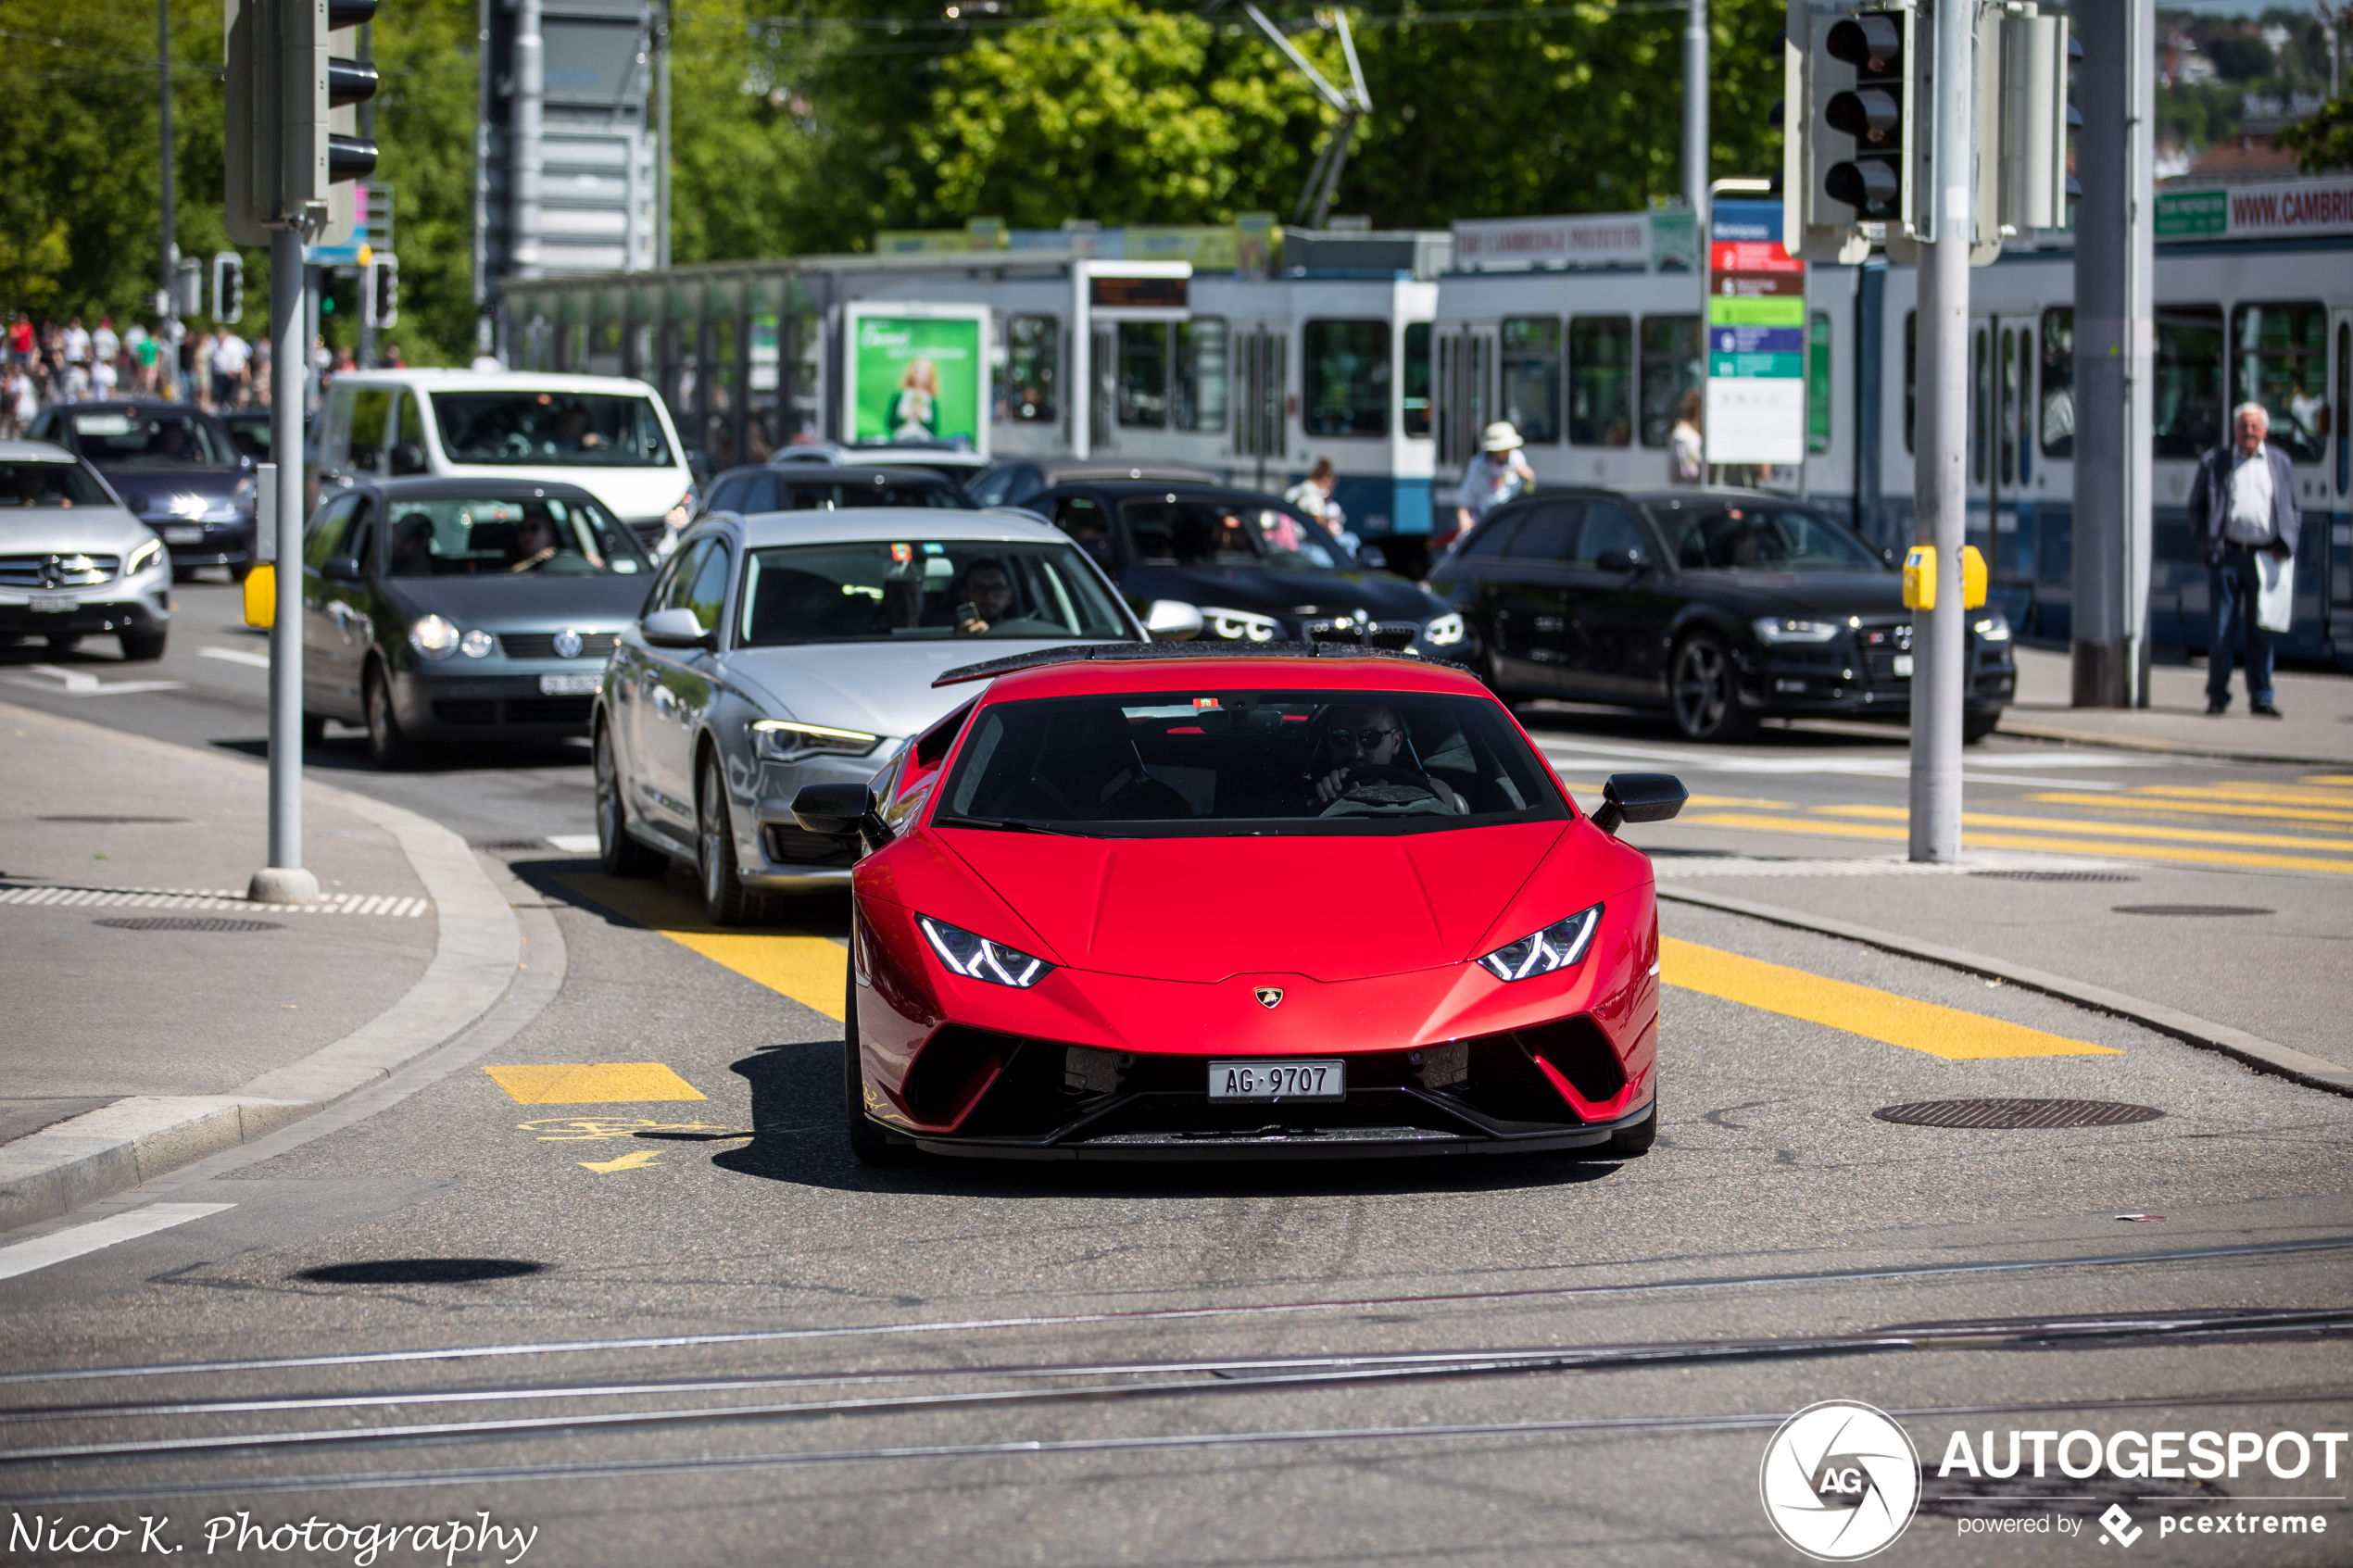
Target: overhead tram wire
point(1169, 1314)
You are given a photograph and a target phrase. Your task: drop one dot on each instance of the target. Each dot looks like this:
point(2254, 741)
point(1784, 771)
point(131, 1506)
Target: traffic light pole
point(1940, 499)
point(284, 880)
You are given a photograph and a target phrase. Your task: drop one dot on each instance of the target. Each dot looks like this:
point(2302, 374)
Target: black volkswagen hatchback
point(1719, 606)
point(1258, 570)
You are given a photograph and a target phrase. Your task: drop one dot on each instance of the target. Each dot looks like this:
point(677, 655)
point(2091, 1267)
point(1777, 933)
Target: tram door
point(2001, 445)
point(1466, 393)
point(1262, 369)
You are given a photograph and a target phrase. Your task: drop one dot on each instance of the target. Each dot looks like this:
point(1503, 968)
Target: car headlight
point(434, 637)
point(1785, 629)
point(1444, 631)
point(1556, 946)
point(143, 557)
point(1995, 628)
point(977, 958)
point(475, 644)
point(1241, 625)
point(189, 506)
point(787, 740)
point(681, 512)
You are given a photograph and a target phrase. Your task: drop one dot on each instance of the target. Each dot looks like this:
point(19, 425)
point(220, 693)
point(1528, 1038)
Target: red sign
point(1751, 255)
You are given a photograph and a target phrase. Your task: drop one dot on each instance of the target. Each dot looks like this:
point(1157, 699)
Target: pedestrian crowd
point(68, 362)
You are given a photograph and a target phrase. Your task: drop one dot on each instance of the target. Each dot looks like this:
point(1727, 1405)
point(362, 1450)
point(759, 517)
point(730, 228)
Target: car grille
point(790, 846)
point(1877, 644)
point(1384, 634)
point(571, 710)
point(59, 570)
point(542, 645)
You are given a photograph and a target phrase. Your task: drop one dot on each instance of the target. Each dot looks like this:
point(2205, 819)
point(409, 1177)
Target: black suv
point(175, 467)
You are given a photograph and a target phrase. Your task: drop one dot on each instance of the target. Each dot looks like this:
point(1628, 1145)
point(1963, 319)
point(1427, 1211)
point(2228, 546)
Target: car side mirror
point(674, 629)
point(1639, 797)
point(1372, 558)
point(1621, 560)
point(832, 810)
point(1172, 621)
point(340, 569)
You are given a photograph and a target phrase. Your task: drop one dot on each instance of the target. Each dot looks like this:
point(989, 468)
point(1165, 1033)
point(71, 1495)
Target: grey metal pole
point(1695, 107)
point(284, 881)
point(531, 91)
point(364, 356)
point(167, 352)
point(2114, 263)
point(482, 178)
point(1940, 500)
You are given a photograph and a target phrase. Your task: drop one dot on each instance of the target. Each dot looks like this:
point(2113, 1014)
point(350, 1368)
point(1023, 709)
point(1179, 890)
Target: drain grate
point(2056, 876)
point(111, 821)
point(505, 845)
point(167, 923)
point(2191, 909)
point(2007, 1113)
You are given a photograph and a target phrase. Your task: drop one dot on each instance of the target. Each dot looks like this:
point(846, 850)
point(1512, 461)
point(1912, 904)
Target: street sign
point(1756, 401)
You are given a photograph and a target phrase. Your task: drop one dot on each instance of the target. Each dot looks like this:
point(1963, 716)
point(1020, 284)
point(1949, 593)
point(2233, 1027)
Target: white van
point(608, 435)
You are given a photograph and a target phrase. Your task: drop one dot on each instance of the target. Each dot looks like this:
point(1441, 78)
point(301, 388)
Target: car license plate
point(53, 604)
point(568, 685)
point(1279, 1080)
point(1903, 666)
point(184, 535)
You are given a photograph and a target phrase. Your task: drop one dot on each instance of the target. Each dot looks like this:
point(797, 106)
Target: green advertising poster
point(917, 376)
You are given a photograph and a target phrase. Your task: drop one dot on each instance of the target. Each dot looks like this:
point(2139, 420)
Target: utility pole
point(1940, 501)
point(661, 137)
point(1695, 113)
point(167, 351)
point(2115, 273)
point(364, 356)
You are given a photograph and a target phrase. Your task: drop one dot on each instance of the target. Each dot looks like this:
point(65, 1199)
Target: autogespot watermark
point(1839, 1481)
point(477, 1539)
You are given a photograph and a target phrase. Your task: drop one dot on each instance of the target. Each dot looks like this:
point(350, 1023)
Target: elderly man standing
point(2242, 506)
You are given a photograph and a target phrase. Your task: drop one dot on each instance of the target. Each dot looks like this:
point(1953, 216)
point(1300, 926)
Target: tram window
point(1531, 365)
point(2189, 380)
point(1143, 374)
point(1911, 377)
point(1674, 362)
point(1033, 369)
point(1980, 395)
point(1345, 378)
point(2279, 357)
point(1416, 399)
point(2058, 382)
point(1601, 380)
point(2343, 400)
point(1198, 390)
point(1817, 383)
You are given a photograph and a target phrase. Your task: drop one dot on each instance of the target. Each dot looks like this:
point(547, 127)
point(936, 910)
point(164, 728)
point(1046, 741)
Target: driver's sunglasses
point(1366, 739)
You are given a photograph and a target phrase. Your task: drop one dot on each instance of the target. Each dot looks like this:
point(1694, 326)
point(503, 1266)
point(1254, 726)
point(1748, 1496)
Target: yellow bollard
point(262, 595)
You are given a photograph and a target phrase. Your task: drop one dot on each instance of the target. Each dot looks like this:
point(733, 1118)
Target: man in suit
point(2242, 508)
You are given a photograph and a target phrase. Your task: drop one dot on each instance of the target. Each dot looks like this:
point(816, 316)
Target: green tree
point(425, 112)
point(2324, 143)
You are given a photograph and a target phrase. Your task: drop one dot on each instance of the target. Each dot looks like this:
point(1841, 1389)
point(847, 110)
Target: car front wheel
point(725, 900)
point(388, 745)
point(1706, 692)
point(621, 855)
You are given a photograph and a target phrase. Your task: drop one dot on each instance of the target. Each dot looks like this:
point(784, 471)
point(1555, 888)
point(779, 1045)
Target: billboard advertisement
point(917, 373)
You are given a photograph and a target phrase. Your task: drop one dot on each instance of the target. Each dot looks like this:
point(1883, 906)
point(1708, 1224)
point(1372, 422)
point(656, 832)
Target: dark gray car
point(463, 610)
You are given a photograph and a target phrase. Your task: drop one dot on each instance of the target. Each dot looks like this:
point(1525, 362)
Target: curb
point(133, 1140)
point(2264, 1056)
point(2029, 730)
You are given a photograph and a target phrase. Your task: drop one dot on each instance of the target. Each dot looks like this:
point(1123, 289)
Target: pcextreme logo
point(1839, 1481)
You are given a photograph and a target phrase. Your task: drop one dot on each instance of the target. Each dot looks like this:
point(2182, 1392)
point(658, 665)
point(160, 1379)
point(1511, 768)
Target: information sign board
point(1756, 401)
point(916, 372)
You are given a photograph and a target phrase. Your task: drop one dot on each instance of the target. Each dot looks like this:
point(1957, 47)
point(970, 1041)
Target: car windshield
point(1767, 536)
point(545, 429)
point(803, 495)
point(498, 536)
point(1173, 530)
point(25, 486)
point(893, 590)
point(1227, 763)
point(251, 432)
point(149, 435)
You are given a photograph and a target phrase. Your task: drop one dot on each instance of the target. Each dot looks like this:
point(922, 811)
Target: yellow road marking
point(602, 1082)
point(2339, 780)
point(2276, 793)
point(2055, 844)
point(1858, 1009)
point(2110, 830)
point(810, 969)
point(632, 1161)
point(2195, 808)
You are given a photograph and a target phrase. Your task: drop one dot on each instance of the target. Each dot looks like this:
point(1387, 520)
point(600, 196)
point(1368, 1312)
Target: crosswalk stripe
point(2276, 794)
point(1857, 1009)
point(2056, 843)
point(2199, 808)
point(2108, 830)
point(810, 970)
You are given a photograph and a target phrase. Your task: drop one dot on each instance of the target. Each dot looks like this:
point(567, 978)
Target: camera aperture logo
point(1839, 1481)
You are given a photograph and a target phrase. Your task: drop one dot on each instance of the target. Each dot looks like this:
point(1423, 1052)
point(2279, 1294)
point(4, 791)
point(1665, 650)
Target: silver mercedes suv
point(74, 561)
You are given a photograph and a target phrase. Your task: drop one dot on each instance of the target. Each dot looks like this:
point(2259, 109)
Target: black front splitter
point(1282, 1143)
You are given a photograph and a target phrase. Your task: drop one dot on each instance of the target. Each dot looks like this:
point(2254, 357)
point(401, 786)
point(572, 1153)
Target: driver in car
point(989, 589)
point(1358, 739)
point(535, 540)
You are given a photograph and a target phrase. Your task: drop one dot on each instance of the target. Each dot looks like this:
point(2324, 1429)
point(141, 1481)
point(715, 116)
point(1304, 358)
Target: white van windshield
point(551, 429)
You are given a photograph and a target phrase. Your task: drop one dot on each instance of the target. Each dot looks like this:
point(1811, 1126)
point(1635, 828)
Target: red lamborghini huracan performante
point(1153, 901)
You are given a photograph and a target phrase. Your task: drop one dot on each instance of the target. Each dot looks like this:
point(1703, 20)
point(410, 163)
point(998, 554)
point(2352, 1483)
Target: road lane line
point(600, 1082)
point(573, 843)
point(2054, 843)
point(64, 1246)
point(1858, 1009)
point(635, 1160)
point(2112, 830)
point(237, 656)
point(2197, 808)
point(810, 970)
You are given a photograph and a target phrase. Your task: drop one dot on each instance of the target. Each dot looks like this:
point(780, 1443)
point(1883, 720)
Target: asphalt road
point(699, 1333)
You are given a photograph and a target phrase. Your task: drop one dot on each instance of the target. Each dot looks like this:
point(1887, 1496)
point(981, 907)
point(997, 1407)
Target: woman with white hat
point(1498, 475)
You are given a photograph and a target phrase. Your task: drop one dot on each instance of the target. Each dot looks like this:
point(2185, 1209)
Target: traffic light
point(2034, 117)
point(380, 292)
point(1875, 113)
point(289, 124)
point(228, 287)
point(187, 288)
